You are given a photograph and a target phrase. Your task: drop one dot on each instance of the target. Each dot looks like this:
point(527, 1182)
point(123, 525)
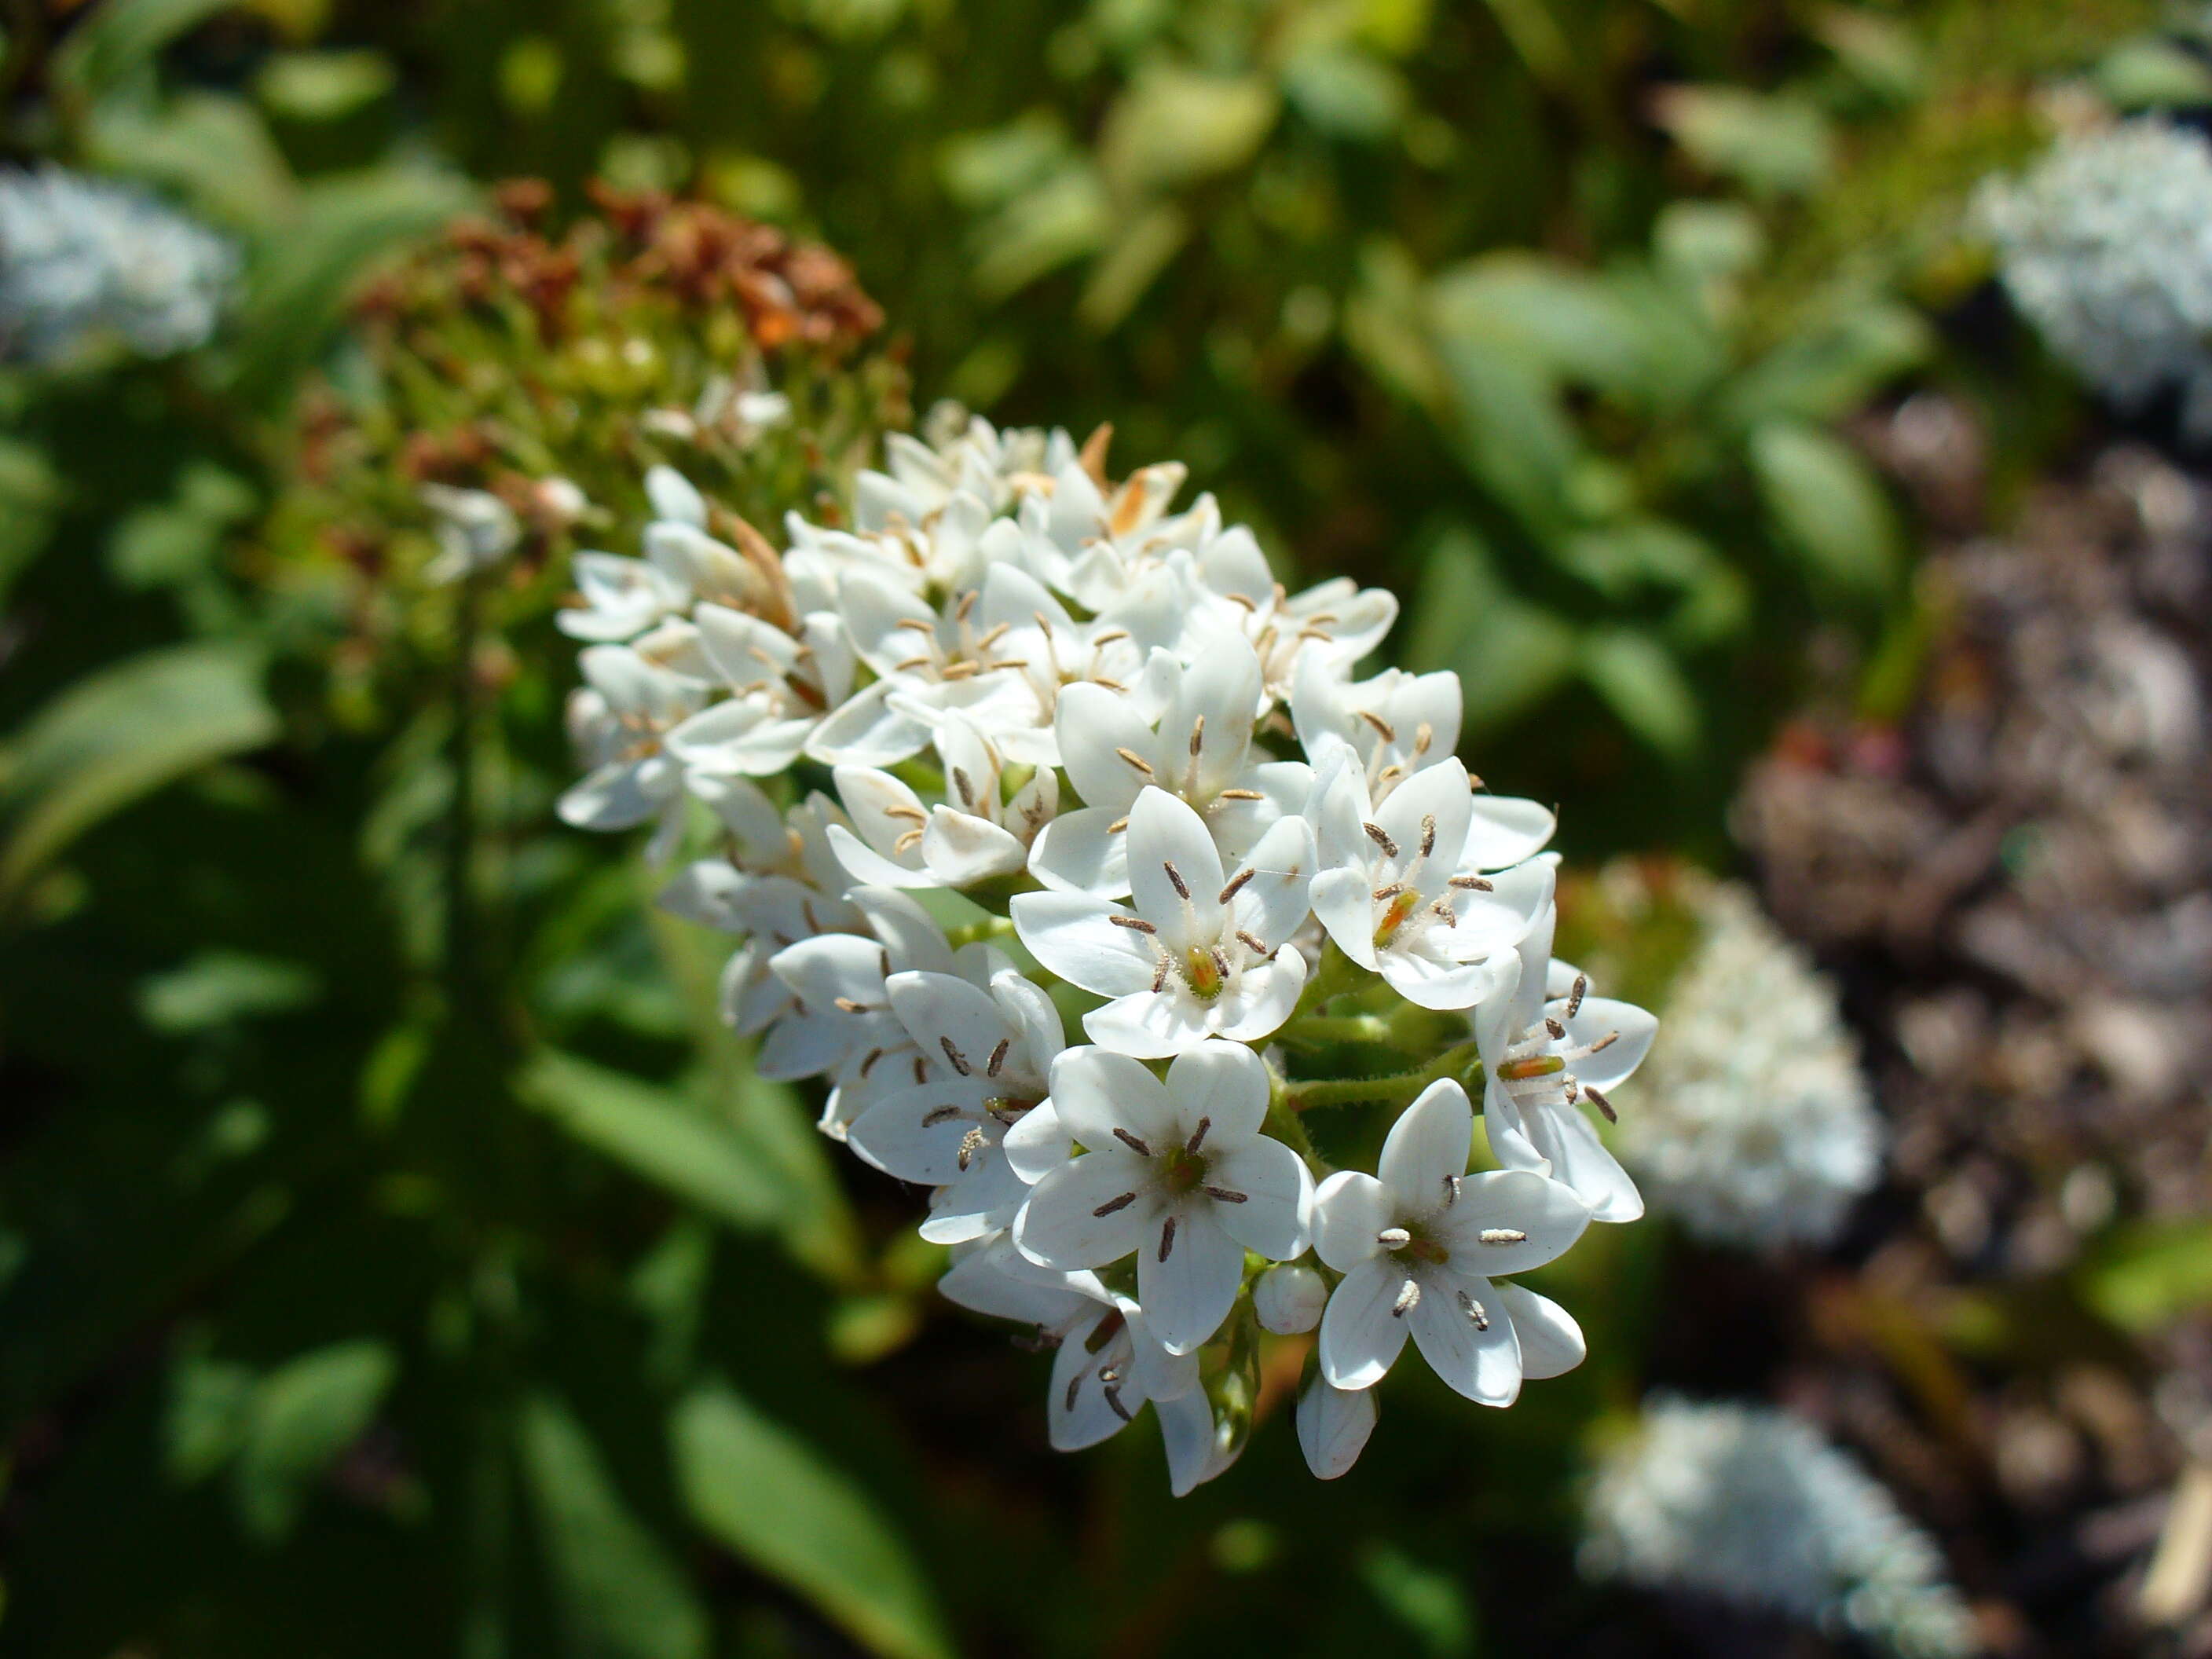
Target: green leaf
point(1509, 653)
point(30, 497)
point(120, 734)
point(1131, 263)
point(210, 1412)
point(1515, 436)
point(213, 150)
point(218, 987)
point(119, 40)
point(1641, 685)
point(2149, 73)
point(307, 264)
point(324, 86)
point(656, 1134)
point(1345, 93)
point(2150, 1273)
point(1774, 144)
point(1826, 506)
point(1426, 1602)
point(1826, 370)
point(770, 1498)
point(304, 1414)
point(1565, 318)
point(620, 1596)
point(1175, 126)
point(1059, 219)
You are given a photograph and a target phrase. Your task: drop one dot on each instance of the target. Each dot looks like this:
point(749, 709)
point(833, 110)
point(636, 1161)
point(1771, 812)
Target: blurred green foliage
point(396, 1254)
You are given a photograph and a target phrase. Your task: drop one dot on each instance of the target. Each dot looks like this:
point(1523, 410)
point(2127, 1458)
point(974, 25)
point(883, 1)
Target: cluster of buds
point(509, 385)
point(1021, 752)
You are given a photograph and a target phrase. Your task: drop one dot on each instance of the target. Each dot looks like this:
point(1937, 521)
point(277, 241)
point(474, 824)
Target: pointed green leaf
point(120, 734)
point(304, 1414)
point(770, 1498)
point(118, 41)
point(1826, 506)
point(620, 1596)
point(1641, 685)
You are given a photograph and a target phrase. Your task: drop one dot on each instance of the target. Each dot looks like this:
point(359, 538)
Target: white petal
point(1585, 1163)
point(1632, 1029)
point(867, 730)
point(864, 864)
point(612, 797)
point(1224, 1084)
point(1037, 1143)
point(883, 808)
point(1360, 1337)
point(1150, 1025)
point(1427, 1146)
point(894, 1135)
point(1164, 833)
point(1505, 829)
point(1096, 1091)
point(1197, 1446)
point(1060, 1225)
point(909, 936)
point(1334, 1426)
point(1350, 1208)
point(938, 1009)
point(962, 850)
point(1276, 1218)
point(1094, 724)
point(1077, 1411)
point(1079, 852)
point(1500, 1203)
point(1263, 999)
point(1438, 793)
point(1343, 899)
point(1477, 1357)
point(1070, 934)
point(1273, 904)
point(1188, 1288)
point(1448, 987)
point(673, 497)
point(1551, 1342)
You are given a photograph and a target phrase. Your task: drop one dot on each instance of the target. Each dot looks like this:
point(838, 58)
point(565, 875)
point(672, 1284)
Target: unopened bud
point(1289, 1298)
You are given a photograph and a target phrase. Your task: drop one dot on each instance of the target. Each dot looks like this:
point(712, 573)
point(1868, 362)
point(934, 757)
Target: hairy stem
point(1396, 1089)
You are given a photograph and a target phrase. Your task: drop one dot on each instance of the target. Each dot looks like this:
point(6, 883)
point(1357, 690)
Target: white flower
point(980, 833)
point(1750, 1504)
point(1287, 1299)
point(2106, 247)
point(1755, 1125)
point(991, 1053)
point(622, 598)
point(1395, 724)
point(1333, 1425)
point(1331, 625)
point(779, 685)
point(841, 1020)
point(1178, 1172)
point(1397, 893)
point(1546, 1046)
point(1201, 957)
point(475, 531)
point(1099, 547)
point(1198, 749)
point(620, 720)
point(82, 258)
point(1418, 1247)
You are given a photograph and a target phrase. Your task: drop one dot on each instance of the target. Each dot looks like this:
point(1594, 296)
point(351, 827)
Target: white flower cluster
point(2106, 247)
point(82, 258)
point(1750, 1506)
point(1060, 714)
point(1759, 1128)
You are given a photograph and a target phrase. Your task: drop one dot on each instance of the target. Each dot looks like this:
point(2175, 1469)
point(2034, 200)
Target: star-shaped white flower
point(1333, 625)
point(1178, 1172)
point(991, 1053)
point(976, 834)
point(1200, 750)
point(621, 719)
point(1202, 955)
point(780, 682)
point(1397, 893)
point(1548, 1045)
point(1419, 1247)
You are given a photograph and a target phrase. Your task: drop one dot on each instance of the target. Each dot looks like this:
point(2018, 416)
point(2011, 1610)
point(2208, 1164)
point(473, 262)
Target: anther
point(868, 1061)
point(1198, 1135)
point(940, 1115)
point(1111, 1393)
point(1393, 1238)
point(1501, 1235)
point(998, 1057)
point(1117, 826)
point(1574, 997)
point(1472, 1310)
point(1176, 880)
point(1224, 1196)
point(846, 1006)
point(906, 842)
point(1197, 736)
point(1114, 1204)
point(1428, 834)
point(1451, 1189)
point(1240, 794)
point(961, 781)
point(1219, 958)
point(1383, 729)
point(1409, 1298)
point(1424, 735)
point(1236, 886)
point(1471, 884)
point(910, 814)
point(1380, 837)
point(1167, 1237)
point(970, 1144)
point(1604, 1043)
point(1134, 924)
point(1601, 1103)
point(958, 1059)
point(1558, 1031)
point(1131, 1142)
point(1257, 947)
point(1390, 892)
point(1136, 760)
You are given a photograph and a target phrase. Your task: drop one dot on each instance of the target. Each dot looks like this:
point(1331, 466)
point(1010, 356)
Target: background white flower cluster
point(1089, 765)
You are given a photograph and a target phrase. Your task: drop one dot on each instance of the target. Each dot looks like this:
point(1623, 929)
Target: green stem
point(1317, 1030)
point(1395, 1089)
point(1336, 974)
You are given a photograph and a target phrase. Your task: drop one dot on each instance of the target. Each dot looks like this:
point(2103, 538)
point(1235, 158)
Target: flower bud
point(1288, 1298)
